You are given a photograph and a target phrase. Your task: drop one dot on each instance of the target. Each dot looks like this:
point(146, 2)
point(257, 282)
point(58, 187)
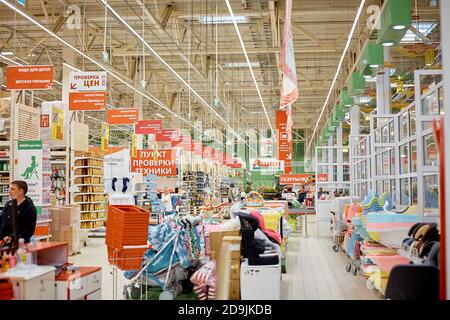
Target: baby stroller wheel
point(348, 267)
point(135, 292)
point(336, 248)
point(178, 288)
point(355, 271)
point(167, 295)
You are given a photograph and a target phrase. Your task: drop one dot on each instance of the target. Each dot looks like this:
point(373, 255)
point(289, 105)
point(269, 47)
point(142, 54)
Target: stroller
point(176, 246)
point(338, 230)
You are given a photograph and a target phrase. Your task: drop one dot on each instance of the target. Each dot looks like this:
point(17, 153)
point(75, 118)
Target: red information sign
point(45, 120)
point(122, 116)
point(160, 162)
point(148, 127)
point(87, 101)
point(29, 77)
point(322, 177)
point(281, 120)
point(167, 135)
point(301, 178)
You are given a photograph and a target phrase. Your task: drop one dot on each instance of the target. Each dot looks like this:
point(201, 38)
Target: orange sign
point(281, 120)
point(87, 101)
point(122, 116)
point(161, 162)
point(322, 177)
point(302, 178)
point(45, 120)
point(148, 127)
point(29, 77)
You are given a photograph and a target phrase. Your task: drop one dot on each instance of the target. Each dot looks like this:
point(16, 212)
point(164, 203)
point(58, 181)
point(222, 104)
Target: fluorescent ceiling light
point(388, 44)
point(7, 53)
point(374, 65)
point(362, 100)
point(349, 39)
point(249, 64)
point(160, 115)
point(171, 70)
point(241, 64)
point(399, 27)
point(424, 27)
point(370, 79)
point(222, 19)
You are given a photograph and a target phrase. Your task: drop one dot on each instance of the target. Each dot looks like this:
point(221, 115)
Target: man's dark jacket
point(26, 222)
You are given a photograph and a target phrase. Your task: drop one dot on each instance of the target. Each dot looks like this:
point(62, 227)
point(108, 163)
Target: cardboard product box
point(234, 245)
point(235, 273)
point(216, 237)
point(235, 290)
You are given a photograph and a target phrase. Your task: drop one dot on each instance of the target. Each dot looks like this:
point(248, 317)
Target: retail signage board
point(148, 127)
point(87, 101)
point(105, 137)
point(300, 178)
point(134, 145)
point(117, 165)
point(281, 120)
point(322, 177)
point(266, 164)
point(29, 77)
point(88, 81)
point(122, 116)
point(161, 163)
point(57, 123)
point(29, 169)
point(45, 120)
point(167, 135)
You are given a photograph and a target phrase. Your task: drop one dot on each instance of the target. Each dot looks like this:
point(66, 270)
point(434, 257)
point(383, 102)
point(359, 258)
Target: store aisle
point(95, 254)
point(315, 272)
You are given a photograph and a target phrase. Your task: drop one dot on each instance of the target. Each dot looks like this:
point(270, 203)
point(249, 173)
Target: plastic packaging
point(21, 252)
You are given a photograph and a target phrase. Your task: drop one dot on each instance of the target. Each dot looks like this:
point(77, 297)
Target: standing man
point(302, 194)
point(26, 213)
point(166, 199)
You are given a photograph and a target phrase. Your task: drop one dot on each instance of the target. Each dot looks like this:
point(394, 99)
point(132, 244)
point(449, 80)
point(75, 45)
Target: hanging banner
point(122, 116)
point(167, 135)
point(29, 77)
point(161, 163)
point(57, 124)
point(302, 178)
point(105, 137)
point(88, 81)
point(280, 120)
point(198, 148)
point(29, 169)
point(148, 127)
point(134, 145)
point(87, 101)
point(266, 164)
point(322, 177)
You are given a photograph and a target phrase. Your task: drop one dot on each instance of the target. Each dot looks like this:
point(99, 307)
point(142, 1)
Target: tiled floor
point(314, 271)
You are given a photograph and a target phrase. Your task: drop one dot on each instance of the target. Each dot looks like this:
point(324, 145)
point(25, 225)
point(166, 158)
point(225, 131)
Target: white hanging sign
point(88, 81)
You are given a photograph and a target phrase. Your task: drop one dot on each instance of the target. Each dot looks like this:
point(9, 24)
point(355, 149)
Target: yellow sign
point(57, 123)
point(133, 146)
point(105, 137)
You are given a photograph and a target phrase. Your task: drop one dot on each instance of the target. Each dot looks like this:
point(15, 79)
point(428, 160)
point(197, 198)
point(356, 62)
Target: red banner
point(161, 162)
point(29, 77)
point(167, 135)
point(122, 116)
point(284, 144)
point(322, 177)
point(198, 148)
point(148, 127)
point(87, 101)
point(302, 178)
point(281, 120)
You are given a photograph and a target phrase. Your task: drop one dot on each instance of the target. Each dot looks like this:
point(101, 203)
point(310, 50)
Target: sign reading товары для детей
point(29, 169)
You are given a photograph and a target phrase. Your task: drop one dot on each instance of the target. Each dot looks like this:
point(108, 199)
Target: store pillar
point(384, 88)
point(340, 154)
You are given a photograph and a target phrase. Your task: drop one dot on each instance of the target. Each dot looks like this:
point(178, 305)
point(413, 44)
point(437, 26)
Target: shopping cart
point(338, 230)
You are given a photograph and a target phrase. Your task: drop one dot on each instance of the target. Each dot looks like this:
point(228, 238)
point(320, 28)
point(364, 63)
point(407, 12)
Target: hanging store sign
point(167, 135)
point(161, 162)
point(87, 101)
point(281, 120)
point(105, 137)
point(134, 145)
point(88, 81)
point(122, 116)
point(29, 77)
point(45, 120)
point(303, 178)
point(57, 124)
point(266, 164)
point(148, 127)
point(322, 177)
point(29, 169)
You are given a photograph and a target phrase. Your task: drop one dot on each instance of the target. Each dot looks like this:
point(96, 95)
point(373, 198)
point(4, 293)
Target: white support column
point(331, 158)
point(355, 125)
point(384, 88)
point(340, 155)
point(445, 43)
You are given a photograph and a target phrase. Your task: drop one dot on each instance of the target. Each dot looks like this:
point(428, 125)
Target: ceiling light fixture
point(160, 115)
point(230, 10)
point(388, 44)
point(350, 36)
point(169, 68)
point(7, 53)
point(399, 27)
point(374, 65)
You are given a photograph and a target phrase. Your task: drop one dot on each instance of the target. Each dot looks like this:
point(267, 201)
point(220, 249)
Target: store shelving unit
point(5, 145)
point(59, 164)
point(195, 183)
point(89, 193)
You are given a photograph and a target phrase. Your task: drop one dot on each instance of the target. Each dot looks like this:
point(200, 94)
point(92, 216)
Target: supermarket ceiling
point(198, 50)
